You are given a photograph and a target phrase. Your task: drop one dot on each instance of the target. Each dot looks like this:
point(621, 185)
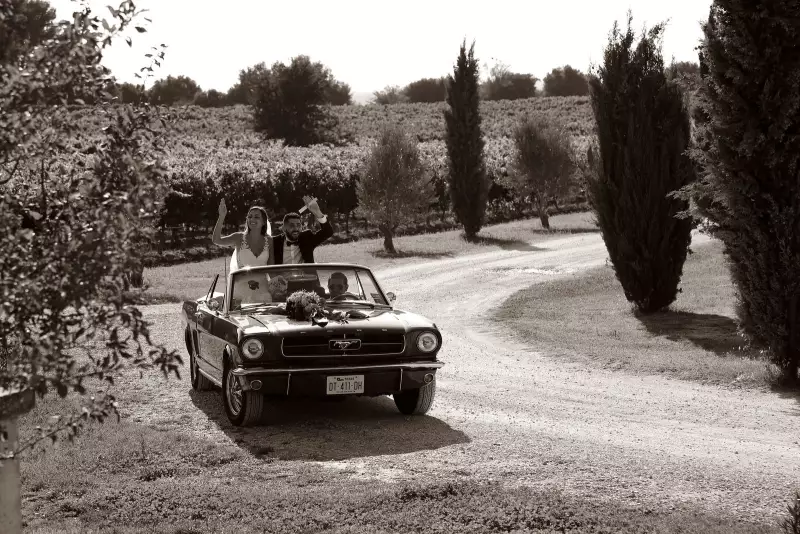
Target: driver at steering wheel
point(337, 284)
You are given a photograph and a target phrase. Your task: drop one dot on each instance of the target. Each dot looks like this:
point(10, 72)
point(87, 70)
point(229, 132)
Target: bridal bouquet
point(302, 305)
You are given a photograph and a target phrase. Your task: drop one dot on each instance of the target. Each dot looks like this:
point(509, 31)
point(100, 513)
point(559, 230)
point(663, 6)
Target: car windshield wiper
point(251, 307)
point(359, 302)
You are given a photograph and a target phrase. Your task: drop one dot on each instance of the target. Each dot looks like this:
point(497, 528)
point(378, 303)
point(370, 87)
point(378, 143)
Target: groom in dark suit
point(293, 246)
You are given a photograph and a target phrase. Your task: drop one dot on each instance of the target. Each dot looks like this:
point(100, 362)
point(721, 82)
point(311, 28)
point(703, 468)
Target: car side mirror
point(392, 296)
point(213, 305)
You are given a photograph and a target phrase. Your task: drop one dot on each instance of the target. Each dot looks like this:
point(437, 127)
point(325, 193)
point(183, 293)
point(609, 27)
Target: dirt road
point(506, 412)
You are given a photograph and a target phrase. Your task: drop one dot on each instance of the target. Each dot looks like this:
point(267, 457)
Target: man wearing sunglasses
point(337, 284)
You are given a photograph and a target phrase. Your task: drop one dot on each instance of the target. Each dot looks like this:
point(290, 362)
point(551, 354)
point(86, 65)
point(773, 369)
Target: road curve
point(506, 412)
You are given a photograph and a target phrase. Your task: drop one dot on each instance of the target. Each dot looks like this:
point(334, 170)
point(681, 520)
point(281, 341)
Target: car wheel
point(199, 382)
point(416, 401)
point(244, 408)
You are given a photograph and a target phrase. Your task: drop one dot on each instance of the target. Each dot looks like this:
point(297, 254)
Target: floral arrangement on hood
point(304, 305)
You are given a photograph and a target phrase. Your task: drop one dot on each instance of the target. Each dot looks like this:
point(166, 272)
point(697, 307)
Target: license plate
point(345, 385)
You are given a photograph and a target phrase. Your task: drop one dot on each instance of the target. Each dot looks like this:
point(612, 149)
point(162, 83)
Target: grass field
point(127, 477)
point(588, 319)
point(190, 281)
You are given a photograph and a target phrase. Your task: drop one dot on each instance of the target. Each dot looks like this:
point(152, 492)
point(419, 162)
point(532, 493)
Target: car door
point(205, 333)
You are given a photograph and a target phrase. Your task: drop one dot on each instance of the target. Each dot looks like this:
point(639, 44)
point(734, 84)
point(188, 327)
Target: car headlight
point(252, 348)
point(427, 342)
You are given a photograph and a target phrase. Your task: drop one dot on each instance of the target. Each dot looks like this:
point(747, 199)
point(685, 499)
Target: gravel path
point(506, 412)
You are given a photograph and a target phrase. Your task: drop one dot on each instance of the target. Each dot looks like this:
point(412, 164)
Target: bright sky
point(370, 47)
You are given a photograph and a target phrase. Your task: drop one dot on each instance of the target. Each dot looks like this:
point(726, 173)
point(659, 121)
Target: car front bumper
point(378, 379)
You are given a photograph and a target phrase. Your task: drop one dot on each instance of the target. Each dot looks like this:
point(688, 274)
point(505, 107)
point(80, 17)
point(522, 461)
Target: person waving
point(252, 246)
point(295, 246)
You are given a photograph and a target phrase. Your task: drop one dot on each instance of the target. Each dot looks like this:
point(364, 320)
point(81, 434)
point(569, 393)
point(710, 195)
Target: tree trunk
point(543, 216)
point(388, 243)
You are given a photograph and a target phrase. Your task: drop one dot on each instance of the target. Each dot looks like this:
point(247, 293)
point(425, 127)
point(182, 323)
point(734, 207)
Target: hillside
point(205, 142)
point(423, 120)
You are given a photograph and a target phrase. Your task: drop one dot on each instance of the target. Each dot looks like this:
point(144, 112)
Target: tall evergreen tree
point(469, 184)
point(643, 133)
point(748, 151)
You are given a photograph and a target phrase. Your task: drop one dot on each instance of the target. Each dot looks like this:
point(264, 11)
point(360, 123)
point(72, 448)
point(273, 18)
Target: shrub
point(748, 151)
point(395, 186)
point(642, 134)
point(469, 185)
point(71, 235)
point(542, 163)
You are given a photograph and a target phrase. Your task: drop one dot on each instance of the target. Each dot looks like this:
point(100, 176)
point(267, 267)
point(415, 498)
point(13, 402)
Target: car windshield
point(272, 285)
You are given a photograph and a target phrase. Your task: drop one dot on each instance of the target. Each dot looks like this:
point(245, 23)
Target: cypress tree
point(467, 179)
point(643, 132)
point(748, 151)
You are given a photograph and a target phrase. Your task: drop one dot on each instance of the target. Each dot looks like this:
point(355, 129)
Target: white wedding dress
point(242, 257)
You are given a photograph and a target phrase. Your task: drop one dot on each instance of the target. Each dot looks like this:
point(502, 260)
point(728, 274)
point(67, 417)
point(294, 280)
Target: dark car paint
point(215, 336)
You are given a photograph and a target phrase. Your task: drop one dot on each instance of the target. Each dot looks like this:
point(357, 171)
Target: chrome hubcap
point(234, 394)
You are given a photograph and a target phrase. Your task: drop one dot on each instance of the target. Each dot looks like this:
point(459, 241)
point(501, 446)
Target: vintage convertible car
point(308, 330)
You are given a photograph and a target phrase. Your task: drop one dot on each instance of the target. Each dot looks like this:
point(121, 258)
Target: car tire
point(199, 382)
point(243, 408)
point(416, 401)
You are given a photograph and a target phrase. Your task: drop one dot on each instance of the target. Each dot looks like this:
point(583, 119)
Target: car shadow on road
point(506, 244)
point(320, 430)
point(711, 332)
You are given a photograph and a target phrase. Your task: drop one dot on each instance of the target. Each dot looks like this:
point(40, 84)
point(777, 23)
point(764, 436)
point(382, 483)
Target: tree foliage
point(391, 94)
point(469, 186)
point(395, 185)
point(542, 163)
point(129, 93)
point(502, 84)
point(566, 81)
point(643, 134)
point(211, 99)
point(72, 228)
point(426, 90)
point(292, 103)
point(172, 90)
point(748, 153)
point(338, 93)
point(26, 24)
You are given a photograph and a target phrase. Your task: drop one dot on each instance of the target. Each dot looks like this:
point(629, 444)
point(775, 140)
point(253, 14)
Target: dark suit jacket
point(307, 240)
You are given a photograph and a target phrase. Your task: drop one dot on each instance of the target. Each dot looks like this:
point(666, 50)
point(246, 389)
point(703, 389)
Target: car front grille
point(317, 346)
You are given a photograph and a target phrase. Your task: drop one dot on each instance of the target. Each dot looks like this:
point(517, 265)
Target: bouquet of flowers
point(303, 305)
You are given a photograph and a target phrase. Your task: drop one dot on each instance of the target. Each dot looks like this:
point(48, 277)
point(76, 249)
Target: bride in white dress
point(252, 247)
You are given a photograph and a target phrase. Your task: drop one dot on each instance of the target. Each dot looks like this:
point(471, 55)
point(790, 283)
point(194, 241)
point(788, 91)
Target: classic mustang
point(308, 330)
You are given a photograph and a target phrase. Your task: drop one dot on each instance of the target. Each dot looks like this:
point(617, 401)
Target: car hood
point(379, 321)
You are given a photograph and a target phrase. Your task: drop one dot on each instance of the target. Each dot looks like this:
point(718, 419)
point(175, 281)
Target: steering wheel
point(344, 295)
